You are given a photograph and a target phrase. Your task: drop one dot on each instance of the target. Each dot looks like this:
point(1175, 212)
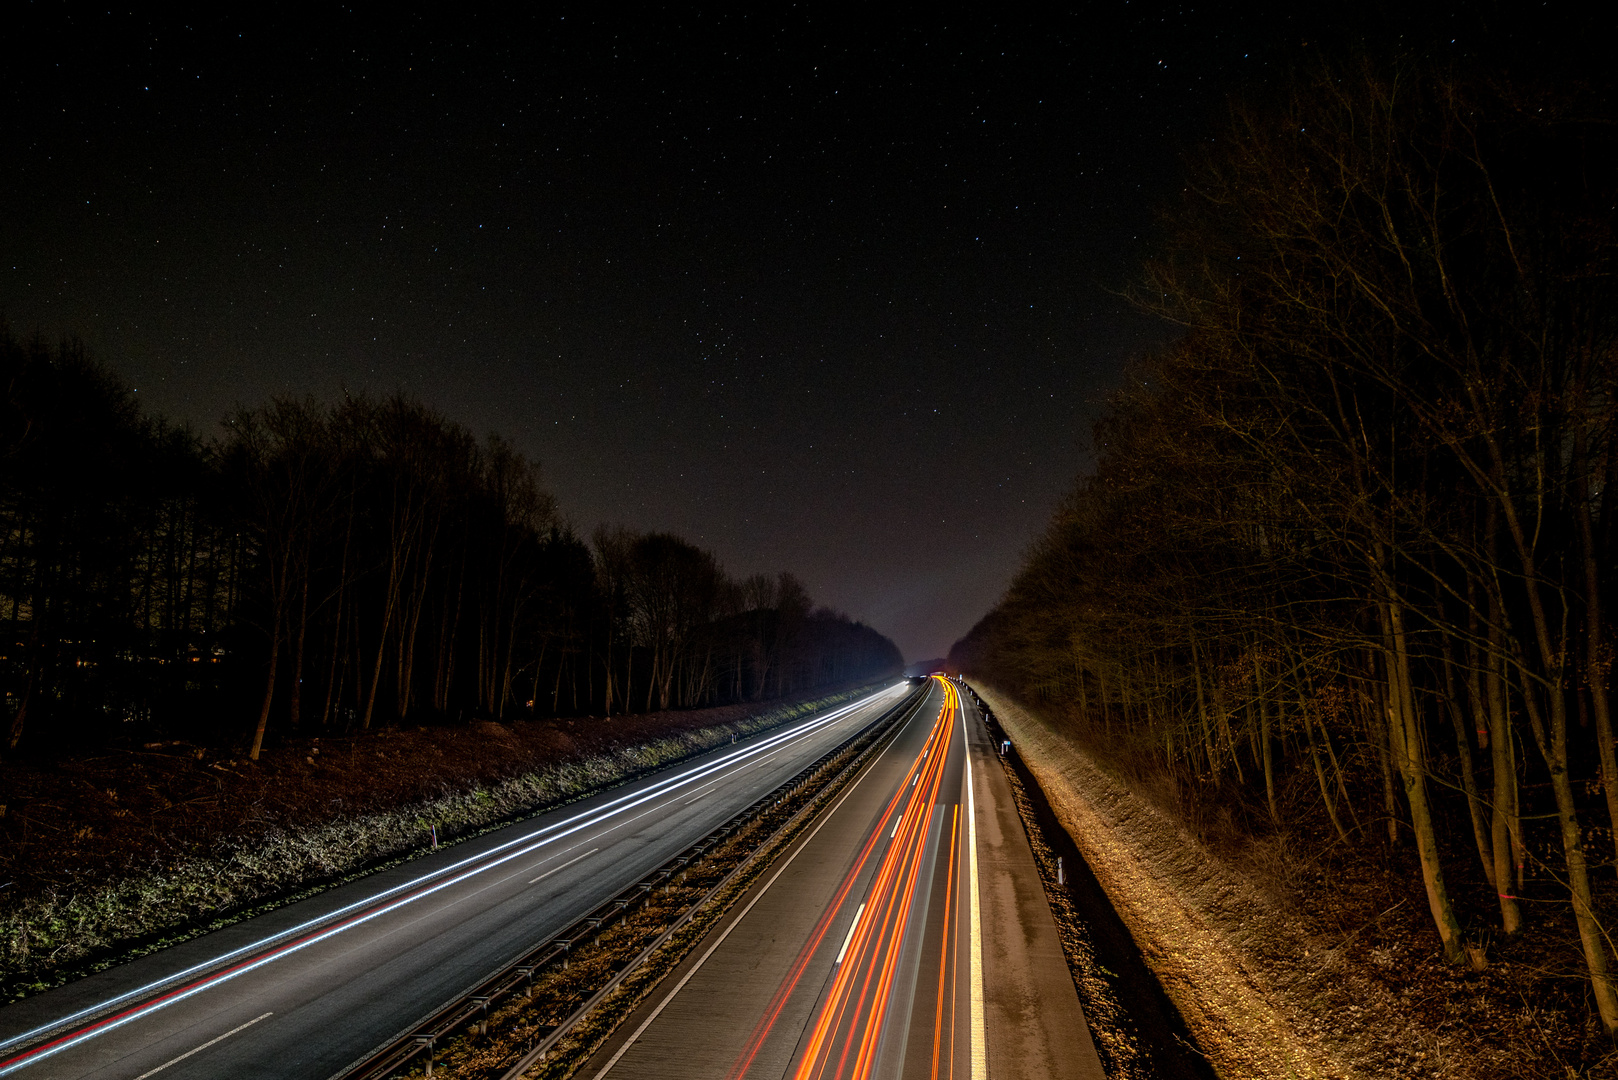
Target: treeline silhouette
point(1348, 546)
point(329, 568)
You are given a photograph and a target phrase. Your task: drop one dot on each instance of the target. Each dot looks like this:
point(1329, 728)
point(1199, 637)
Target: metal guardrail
point(471, 1009)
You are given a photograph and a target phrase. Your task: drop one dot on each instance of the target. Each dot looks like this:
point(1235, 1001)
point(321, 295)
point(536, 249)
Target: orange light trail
point(944, 951)
point(783, 994)
point(861, 989)
point(885, 917)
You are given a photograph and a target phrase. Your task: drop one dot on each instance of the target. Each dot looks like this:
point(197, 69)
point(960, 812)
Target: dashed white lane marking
point(204, 1046)
point(703, 959)
point(853, 926)
point(564, 866)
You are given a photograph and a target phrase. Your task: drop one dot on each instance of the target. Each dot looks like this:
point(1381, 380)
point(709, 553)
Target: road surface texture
point(307, 990)
point(906, 935)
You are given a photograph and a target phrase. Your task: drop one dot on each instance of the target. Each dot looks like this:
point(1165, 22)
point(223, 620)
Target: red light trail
point(845, 1039)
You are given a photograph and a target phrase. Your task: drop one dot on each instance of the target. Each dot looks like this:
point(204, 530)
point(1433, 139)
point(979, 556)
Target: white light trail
point(453, 874)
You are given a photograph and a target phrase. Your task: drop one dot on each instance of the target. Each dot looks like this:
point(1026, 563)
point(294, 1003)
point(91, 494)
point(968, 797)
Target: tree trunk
point(1320, 772)
point(19, 720)
point(1264, 742)
point(1106, 707)
point(410, 624)
point(1597, 653)
point(663, 694)
point(1469, 784)
point(506, 672)
point(1553, 657)
point(448, 631)
point(296, 690)
point(1222, 716)
point(1405, 740)
point(629, 678)
point(269, 688)
point(1377, 727)
point(1553, 746)
point(1506, 828)
point(1202, 713)
point(1506, 823)
point(337, 618)
point(539, 666)
point(590, 670)
point(376, 670)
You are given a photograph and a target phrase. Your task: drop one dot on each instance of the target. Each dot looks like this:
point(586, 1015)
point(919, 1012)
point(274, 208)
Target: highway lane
point(905, 989)
point(857, 956)
point(307, 989)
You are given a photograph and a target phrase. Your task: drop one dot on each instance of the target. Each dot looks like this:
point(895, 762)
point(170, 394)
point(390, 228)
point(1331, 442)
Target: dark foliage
point(1352, 536)
point(323, 569)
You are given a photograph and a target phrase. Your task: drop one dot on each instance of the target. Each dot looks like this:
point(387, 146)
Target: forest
point(1347, 553)
point(329, 568)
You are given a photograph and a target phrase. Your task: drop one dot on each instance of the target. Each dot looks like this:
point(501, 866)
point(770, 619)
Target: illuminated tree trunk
point(1375, 715)
point(1469, 784)
point(269, 688)
point(337, 641)
point(1264, 741)
point(1553, 747)
point(449, 627)
point(1320, 772)
point(410, 624)
point(1405, 740)
point(1506, 828)
point(381, 643)
point(1598, 652)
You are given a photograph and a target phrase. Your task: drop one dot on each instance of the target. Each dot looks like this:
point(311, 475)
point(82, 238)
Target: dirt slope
point(1265, 994)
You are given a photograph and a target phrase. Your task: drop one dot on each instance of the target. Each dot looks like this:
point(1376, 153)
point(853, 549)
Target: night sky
point(817, 292)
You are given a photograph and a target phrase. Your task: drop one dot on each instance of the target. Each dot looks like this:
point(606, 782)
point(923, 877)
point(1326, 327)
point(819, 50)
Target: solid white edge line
point(628, 801)
point(204, 1046)
point(980, 1060)
point(672, 994)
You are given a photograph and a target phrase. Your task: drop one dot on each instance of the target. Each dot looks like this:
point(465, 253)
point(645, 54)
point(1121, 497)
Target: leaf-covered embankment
point(113, 855)
point(1265, 990)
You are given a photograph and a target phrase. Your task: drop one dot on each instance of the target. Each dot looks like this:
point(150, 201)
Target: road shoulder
point(1034, 1025)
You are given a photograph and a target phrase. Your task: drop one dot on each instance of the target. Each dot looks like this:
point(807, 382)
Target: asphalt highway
point(905, 936)
point(855, 960)
point(308, 989)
